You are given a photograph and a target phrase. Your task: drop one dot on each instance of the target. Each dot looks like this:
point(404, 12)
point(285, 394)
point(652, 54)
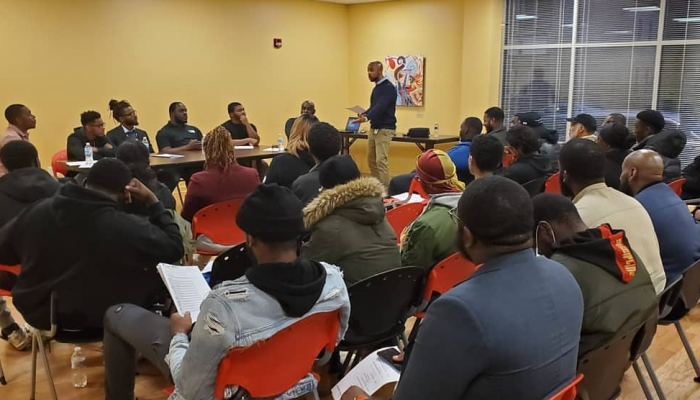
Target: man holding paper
point(273, 295)
point(382, 117)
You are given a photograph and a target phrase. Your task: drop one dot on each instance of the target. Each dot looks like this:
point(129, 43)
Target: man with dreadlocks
point(430, 238)
point(126, 117)
point(222, 178)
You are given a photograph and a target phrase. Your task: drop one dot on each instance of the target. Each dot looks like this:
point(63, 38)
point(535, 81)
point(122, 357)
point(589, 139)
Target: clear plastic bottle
point(77, 364)
point(280, 143)
point(436, 130)
point(88, 153)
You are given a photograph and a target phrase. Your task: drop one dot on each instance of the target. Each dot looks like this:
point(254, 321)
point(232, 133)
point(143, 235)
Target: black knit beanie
point(272, 214)
point(337, 170)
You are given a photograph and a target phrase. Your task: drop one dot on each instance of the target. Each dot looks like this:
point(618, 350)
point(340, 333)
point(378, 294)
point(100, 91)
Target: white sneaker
point(20, 339)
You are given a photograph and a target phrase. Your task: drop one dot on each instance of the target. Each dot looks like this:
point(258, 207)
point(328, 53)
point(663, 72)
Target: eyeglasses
point(454, 215)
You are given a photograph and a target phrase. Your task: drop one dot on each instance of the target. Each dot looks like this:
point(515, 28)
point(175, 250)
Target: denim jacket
point(238, 314)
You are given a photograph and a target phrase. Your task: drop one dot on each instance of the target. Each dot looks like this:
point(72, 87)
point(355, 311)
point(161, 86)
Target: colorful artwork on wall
point(406, 73)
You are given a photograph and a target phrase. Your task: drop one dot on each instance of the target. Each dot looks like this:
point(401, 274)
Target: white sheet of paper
point(244, 147)
point(369, 375)
point(415, 198)
point(166, 155)
point(357, 109)
point(80, 164)
point(208, 267)
point(187, 287)
point(275, 148)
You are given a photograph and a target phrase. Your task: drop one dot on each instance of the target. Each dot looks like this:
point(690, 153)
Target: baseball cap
point(531, 119)
point(588, 121)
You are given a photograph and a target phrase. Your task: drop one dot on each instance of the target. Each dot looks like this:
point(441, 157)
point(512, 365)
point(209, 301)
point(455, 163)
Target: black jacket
point(691, 187)
point(21, 188)
point(308, 186)
point(669, 144)
point(117, 136)
point(79, 245)
point(528, 168)
point(286, 168)
point(76, 146)
point(613, 166)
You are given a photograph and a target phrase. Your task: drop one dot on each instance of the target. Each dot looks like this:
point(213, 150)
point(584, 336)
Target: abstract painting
point(406, 73)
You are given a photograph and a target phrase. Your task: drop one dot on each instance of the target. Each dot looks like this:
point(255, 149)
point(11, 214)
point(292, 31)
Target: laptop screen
point(350, 127)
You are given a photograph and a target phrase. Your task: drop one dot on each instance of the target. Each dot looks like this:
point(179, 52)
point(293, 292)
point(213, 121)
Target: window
point(564, 57)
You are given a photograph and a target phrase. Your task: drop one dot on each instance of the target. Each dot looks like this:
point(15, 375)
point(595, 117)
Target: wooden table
point(423, 143)
point(196, 158)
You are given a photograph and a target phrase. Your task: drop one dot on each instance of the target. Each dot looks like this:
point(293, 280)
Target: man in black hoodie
point(617, 291)
point(669, 143)
point(24, 184)
point(79, 245)
point(529, 165)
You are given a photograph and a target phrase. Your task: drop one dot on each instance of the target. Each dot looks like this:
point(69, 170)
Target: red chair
point(447, 274)
point(569, 392)
point(57, 166)
point(508, 159)
point(553, 185)
point(417, 188)
point(218, 222)
point(271, 367)
point(677, 186)
point(400, 217)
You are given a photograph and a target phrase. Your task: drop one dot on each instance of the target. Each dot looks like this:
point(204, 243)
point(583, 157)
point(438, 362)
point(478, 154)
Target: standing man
point(307, 107)
point(382, 117)
point(125, 115)
point(21, 120)
point(493, 122)
point(242, 131)
point(178, 137)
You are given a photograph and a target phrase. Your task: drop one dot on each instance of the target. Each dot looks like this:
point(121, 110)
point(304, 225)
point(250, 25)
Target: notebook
point(186, 286)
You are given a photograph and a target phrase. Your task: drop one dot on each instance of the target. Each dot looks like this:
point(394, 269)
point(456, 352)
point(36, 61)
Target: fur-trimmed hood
point(359, 200)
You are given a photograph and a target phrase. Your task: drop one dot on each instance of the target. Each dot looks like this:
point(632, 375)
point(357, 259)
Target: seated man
point(617, 292)
point(510, 331)
point(242, 131)
point(324, 142)
point(20, 120)
point(428, 239)
point(524, 143)
point(582, 177)
point(176, 137)
point(485, 156)
point(669, 143)
point(348, 225)
point(24, 184)
point(136, 156)
point(125, 115)
point(678, 234)
point(272, 295)
point(494, 122)
point(549, 138)
point(92, 131)
point(92, 254)
point(307, 107)
point(583, 126)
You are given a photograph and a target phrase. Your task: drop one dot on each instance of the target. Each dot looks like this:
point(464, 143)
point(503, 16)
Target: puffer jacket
point(669, 144)
point(349, 229)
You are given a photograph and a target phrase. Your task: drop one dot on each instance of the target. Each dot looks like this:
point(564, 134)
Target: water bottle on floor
point(280, 143)
point(78, 367)
point(88, 153)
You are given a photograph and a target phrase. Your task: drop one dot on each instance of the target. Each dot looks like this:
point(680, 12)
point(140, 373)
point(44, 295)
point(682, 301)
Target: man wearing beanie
point(274, 294)
point(430, 238)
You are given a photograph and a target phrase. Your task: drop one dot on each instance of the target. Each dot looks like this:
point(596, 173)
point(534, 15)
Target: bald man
point(382, 118)
point(678, 234)
point(307, 107)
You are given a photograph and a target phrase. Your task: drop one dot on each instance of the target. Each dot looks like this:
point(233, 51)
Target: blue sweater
point(382, 108)
point(678, 234)
point(459, 155)
point(511, 331)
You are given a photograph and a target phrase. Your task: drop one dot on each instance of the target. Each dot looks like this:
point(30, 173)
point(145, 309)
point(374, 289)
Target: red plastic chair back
point(400, 217)
point(677, 186)
point(417, 188)
point(508, 159)
point(271, 367)
point(447, 274)
point(218, 222)
point(569, 392)
point(57, 166)
point(553, 185)
point(14, 269)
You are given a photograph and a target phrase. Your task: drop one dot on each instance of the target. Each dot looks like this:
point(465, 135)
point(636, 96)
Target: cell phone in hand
point(388, 354)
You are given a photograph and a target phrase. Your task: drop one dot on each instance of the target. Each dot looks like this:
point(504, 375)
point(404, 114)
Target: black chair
point(231, 265)
point(535, 186)
point(379, 307)
point(39, 337)
point(604, 367)
point(667, 298)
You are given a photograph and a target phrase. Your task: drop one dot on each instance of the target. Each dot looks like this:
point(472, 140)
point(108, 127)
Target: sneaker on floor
point(17, 337)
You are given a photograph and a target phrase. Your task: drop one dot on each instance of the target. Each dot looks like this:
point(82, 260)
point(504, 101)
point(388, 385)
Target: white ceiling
point(354, 1)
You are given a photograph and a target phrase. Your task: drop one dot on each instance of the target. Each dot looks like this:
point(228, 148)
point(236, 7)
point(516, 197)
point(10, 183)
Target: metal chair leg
point(315, 394)
point(652, 376)
point(34, 350)
point(47, 368)
point(642, 381)
point(179, 193)
point(3, 381)
point(689, 350)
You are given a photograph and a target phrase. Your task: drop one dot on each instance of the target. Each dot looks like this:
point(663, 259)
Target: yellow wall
point(461, 42)
point(63, 57)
